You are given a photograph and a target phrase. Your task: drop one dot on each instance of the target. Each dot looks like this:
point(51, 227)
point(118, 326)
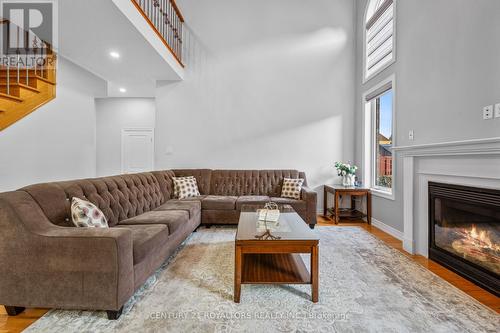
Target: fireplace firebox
point(464, 232)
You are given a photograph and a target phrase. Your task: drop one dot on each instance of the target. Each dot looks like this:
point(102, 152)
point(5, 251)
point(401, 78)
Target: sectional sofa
point(46, 262)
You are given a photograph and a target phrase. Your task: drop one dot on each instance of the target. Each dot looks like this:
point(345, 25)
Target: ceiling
point(89, 30)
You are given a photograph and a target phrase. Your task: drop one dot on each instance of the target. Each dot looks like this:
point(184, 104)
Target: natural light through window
point(383, 141)
point(379, 137)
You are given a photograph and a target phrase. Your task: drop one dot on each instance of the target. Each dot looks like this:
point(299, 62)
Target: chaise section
point(147, 240)
point(298, 205)
point(210, 217)
point(166, 217)
point(193, 207)
point(251, 200)
point(224, 192)
point(219, 202)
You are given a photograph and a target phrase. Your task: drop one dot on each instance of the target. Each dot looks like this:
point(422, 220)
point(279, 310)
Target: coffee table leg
point(314, 274)
point(237, 274)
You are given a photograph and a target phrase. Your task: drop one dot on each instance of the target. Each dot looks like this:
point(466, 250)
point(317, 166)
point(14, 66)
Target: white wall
point(277, 92)
point(113, 115)
point(57, 141)
point(447, 69)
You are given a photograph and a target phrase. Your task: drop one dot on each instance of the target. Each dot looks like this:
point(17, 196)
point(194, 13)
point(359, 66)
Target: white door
point(137, 150)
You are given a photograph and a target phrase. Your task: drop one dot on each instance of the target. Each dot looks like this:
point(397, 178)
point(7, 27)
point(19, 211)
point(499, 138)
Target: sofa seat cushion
point(171, 218)
point(193, 207)
point(298, 205)
point(251, 200)
point(146, 239)
point(196, 198)
point(219, 202)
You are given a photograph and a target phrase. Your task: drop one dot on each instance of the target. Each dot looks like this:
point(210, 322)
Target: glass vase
point(348, 180)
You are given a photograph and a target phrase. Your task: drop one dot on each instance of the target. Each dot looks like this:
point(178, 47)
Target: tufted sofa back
point(125, 196)
point(271, 181)
point(240, 182)
point(165, 182)
point(119, 197)
point(203, 177)
point(235, 182)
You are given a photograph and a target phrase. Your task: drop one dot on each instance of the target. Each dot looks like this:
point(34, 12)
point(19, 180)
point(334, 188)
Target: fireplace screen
point(468, 231)
point(464, 232)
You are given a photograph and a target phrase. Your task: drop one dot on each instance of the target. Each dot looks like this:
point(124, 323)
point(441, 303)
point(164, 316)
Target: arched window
point(379, 37)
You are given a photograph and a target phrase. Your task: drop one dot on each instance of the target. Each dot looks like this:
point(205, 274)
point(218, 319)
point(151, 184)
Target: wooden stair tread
point(14, 98)
point(27, 92)
point(21, 85)
point(23, 77)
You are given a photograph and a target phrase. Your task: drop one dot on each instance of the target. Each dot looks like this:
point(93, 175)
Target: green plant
point(384, 181)
point(345, 168)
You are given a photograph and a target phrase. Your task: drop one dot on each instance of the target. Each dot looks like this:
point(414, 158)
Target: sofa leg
point(114, 315)
point(14, 310)
point(311, 225)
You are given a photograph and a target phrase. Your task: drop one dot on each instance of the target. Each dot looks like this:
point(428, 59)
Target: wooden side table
point(338, 191)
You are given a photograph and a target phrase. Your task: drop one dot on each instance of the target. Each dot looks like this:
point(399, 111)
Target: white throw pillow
point(185, 187)
point(291, 188)
point(86, 215)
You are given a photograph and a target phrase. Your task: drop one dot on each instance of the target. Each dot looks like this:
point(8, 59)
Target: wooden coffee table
point(273, 257)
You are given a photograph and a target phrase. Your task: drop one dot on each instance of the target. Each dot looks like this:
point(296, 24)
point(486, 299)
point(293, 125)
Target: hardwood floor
point(20, 322)
point(468, 287)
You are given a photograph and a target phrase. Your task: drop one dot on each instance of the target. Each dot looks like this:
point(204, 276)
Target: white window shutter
point(380, 38)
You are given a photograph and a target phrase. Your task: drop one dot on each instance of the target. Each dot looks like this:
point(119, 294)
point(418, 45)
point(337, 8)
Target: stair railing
point(166, 20)
point(38, 62)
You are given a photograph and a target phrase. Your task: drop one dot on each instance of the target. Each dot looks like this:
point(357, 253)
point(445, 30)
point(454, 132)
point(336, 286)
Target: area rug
point(365, 286)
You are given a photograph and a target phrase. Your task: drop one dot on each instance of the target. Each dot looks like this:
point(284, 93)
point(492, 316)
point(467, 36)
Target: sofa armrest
point(311, 198)
point(44, 265)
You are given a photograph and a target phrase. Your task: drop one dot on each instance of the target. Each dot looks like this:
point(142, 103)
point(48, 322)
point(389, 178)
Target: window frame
point(366, 77)
point(369, 141)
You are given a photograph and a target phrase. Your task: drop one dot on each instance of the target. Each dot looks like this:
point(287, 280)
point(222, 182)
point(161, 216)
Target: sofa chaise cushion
point(219, 202)
point(191, 206)
point(296, 204)
point(171, 218)
point(146, 239)
point(251, 200)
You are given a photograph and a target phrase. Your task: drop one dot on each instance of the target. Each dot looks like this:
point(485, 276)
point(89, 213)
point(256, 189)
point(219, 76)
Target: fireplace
point(464, 232)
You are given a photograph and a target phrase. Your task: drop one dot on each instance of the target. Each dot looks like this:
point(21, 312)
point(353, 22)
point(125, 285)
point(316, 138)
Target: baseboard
point(388, 229)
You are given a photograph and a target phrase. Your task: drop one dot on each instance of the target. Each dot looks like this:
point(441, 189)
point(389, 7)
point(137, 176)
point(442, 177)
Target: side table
point(338, 191)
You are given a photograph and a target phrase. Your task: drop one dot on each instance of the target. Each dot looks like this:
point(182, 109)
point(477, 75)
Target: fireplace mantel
point(469, 162)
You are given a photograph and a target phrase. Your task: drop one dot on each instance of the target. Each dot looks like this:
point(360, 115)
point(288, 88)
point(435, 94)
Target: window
point(379, 37)
point(379, 138)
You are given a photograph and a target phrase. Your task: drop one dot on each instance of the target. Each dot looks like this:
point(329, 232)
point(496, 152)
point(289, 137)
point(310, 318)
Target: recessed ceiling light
point(114, 54)
point(123, 90)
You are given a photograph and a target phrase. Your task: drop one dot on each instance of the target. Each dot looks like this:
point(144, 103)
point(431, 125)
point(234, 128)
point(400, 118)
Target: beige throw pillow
point(86, 215)
point(291, 188)
point(185, 187)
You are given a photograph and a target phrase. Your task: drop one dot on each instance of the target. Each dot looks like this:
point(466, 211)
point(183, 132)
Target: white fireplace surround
point(470, 163)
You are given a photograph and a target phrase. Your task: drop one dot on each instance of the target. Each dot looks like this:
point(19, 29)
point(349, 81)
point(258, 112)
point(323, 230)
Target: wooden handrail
point(166, 20)
point(177, 10)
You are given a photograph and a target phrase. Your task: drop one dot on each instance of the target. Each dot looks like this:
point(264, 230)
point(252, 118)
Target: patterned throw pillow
point(185, 187)
point(86, 215)
point(291, 188)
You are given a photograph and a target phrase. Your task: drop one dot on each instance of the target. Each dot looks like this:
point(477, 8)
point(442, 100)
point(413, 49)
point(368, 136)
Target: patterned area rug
point(365, 286)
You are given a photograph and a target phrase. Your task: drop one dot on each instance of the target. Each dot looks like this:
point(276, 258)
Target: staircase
point(28, 80)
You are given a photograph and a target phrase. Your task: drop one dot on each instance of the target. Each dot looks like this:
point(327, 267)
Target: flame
point(482, 238)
